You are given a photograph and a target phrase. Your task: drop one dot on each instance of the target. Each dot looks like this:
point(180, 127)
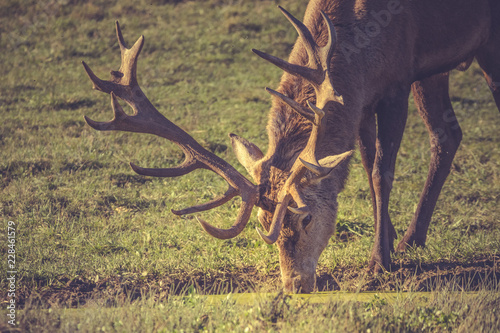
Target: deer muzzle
point(301, 280)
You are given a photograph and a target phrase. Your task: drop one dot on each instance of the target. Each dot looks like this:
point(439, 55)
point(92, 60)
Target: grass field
point(97, 248)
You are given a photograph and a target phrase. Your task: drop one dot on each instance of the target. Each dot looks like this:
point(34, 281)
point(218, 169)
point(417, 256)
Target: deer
point(347, 82)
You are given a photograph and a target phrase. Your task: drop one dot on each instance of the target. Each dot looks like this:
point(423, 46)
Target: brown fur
point(384, 49)
point(413, 49)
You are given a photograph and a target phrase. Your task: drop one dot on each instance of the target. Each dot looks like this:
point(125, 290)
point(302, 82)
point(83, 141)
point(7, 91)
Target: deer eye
point(306, 220)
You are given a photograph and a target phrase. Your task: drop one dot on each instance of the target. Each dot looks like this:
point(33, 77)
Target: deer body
point(410, 41)
point(347, 80)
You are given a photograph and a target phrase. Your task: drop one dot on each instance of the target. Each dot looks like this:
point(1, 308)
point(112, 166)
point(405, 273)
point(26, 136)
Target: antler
point(318, 74)
point(147, 119)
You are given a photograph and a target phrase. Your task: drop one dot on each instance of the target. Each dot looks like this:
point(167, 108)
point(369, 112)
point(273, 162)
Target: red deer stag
point(348, 79)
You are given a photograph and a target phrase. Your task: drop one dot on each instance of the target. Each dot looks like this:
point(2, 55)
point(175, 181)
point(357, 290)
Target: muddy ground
point(65, 292)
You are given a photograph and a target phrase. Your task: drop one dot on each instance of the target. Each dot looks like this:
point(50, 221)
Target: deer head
point(303, 207)
point(296, 207)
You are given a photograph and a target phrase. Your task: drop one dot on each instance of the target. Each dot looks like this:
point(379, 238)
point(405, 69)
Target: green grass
point(440, 311)
point(82, 215)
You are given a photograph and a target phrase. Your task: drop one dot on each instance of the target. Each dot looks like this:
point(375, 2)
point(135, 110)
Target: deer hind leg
point(366, 140)
point(494, 83)
point(488, 56)
point(391, 112)
point(489, 60)
point(433, 103)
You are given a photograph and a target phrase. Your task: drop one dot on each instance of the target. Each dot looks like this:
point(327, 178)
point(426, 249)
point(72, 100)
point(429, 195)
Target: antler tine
point(316, 169)
point(230, 193)
point(96, 82)
point(147, 119)
point(279, 215)
point(305, 112)
point(318, 113)
point(247, 204)
point(127, 74)
point(305, 72)
point(325, 54)
point(124, 81)
point(305, 34)
point(182, 169)
point(119, 36)
point(319, 57)
point(332, 41)
point(302, 208)
point(114, 124)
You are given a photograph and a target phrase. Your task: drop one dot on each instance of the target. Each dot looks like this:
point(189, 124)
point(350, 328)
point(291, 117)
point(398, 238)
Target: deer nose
point(297, 284)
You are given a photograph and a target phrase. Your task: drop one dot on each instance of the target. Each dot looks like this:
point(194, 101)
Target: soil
point(404, 276)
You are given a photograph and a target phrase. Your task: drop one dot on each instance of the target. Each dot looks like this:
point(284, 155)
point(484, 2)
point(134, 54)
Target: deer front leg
point(366, 140)
point(391, 112)
point(433, 103)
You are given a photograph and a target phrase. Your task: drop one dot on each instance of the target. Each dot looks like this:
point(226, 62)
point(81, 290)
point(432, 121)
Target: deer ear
point(246, 152)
